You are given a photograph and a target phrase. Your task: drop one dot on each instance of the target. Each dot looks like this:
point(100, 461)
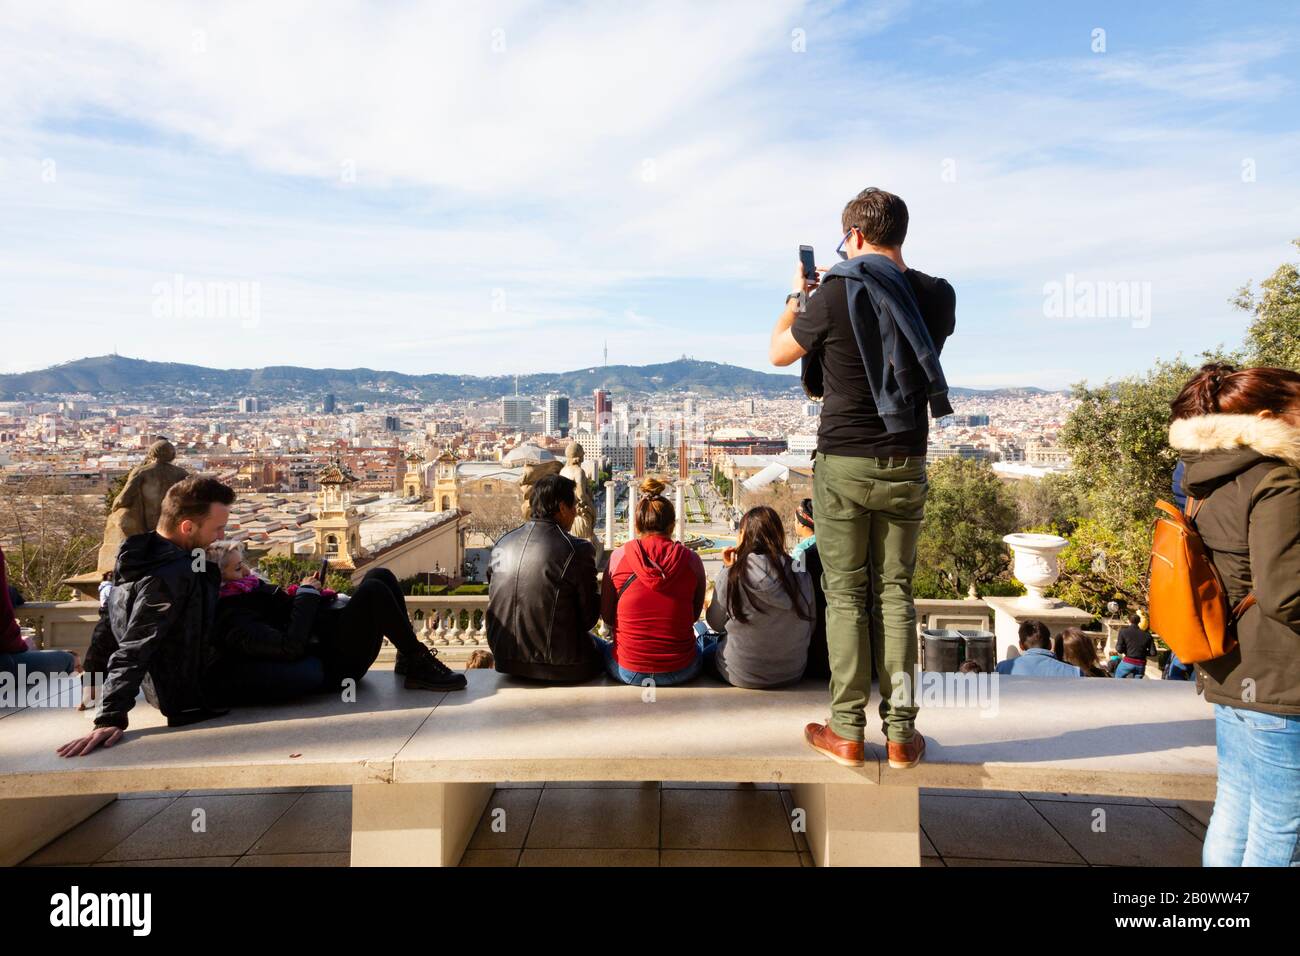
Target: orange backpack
point(1187, 600)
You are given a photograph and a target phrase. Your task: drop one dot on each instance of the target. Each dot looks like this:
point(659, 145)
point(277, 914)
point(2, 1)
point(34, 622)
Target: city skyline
point(493, 209)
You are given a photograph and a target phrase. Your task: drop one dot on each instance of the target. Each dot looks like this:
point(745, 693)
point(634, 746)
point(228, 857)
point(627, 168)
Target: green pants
point(868, 513)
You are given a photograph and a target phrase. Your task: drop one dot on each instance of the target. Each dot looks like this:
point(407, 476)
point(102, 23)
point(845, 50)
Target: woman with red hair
point(1238, 433)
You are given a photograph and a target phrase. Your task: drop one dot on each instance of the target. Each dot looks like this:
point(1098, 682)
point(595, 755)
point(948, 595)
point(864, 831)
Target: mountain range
point(115, 377)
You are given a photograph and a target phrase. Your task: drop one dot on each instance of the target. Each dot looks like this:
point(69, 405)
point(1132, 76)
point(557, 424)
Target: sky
point(502, 188)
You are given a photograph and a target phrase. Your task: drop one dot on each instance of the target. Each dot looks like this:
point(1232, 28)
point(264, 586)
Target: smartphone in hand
point(808, 262)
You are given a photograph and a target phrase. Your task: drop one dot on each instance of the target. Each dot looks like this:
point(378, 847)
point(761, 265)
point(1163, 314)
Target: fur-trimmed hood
point(1271, 437)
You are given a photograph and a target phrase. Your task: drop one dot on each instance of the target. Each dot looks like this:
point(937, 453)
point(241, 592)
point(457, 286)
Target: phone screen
point(324, 569)
point(809, 263)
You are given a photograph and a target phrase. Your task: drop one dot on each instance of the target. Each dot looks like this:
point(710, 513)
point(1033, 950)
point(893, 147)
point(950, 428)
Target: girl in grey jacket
point(763, 605)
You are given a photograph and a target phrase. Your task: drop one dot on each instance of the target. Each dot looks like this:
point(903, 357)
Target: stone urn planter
point(1036, 567)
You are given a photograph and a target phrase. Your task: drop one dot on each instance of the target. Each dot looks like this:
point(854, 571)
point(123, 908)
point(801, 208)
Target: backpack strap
point(626, 584)
point(1244, 605)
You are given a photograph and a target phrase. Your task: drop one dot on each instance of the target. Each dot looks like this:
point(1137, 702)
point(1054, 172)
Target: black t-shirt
point(850, 424)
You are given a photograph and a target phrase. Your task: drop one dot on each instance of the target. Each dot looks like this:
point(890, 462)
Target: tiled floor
point(630, 824)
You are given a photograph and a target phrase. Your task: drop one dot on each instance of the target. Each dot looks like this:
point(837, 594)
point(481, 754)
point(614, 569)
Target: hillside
point(127, 379)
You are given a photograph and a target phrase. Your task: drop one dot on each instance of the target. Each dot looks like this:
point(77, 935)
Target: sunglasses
point(839, 250)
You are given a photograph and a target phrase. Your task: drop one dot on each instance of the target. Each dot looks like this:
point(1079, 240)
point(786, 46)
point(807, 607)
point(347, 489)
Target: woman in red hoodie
point(651, 597)
point(13, 649)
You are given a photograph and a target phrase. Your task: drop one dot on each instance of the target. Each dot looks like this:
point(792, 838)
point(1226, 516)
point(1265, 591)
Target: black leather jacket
point(543, 603)
point(267, 623)
point(160, 632)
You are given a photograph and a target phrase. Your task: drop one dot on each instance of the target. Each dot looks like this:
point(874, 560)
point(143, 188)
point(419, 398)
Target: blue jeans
point(1256, 819)
point(1132, 671)
point(1177, 670)
point(44, 662)
point(704, 646)
point(252, 681)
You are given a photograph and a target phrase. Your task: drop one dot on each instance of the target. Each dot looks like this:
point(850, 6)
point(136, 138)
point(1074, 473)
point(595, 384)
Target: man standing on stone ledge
point(870, 336)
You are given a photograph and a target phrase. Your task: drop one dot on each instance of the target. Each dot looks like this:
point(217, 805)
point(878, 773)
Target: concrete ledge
point(422, 765)
point(322, 741)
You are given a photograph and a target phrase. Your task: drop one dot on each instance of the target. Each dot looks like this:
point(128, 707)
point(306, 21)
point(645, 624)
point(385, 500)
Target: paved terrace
point(631, 824)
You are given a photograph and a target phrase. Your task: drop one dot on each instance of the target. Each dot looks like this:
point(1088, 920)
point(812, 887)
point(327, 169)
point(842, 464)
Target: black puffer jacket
point(1247, 472)
point(267, 623)
point(160, 615)
point(543, 603)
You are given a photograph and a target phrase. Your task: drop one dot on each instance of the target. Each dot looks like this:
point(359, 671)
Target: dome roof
point(526, 453)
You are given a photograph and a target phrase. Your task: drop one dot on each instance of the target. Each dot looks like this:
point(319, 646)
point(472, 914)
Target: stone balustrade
point(60, 625)
point(453, 625)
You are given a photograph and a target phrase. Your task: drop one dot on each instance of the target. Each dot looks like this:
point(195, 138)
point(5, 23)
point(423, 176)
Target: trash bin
point(978, 646)
point(940, 649)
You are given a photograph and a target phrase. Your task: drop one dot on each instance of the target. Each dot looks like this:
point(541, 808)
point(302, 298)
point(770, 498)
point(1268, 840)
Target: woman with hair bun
point(651, 597)
point(1238, 433)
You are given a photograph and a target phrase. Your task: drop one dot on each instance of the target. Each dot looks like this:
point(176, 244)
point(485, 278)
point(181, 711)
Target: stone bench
point(423, 766)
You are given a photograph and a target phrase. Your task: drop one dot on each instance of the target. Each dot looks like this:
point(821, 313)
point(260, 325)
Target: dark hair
point(970, 667)
point(804, 514)
point(761, 534)
point(1220, 388)
point(548, 494)
point(190, 499)
point(1078, 649)
point(1035, 634)
point(655, 514)
point(880, 216)
point(1135, 619)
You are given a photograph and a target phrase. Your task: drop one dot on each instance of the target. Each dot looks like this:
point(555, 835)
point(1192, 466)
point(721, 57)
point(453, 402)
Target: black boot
point(426, 672)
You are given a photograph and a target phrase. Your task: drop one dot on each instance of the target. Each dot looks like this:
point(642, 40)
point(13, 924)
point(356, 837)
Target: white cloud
point(606, 148)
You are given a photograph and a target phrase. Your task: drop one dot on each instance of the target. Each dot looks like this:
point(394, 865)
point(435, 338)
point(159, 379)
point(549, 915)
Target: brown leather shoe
point(908, 755)
point(846, 753)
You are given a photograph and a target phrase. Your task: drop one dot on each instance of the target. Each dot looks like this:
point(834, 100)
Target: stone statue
point(533, 473)
point(585, 524)
point(138, 504)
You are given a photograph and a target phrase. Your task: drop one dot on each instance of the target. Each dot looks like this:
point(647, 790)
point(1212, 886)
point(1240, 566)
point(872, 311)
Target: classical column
point(611, 499)
point(633, 484)
point(679, 532)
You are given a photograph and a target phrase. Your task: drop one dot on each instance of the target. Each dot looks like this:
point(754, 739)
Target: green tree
point(1118, 439)
point(968, 510)
point(1053, 504)
point(1104, 562)
point(1274, 334)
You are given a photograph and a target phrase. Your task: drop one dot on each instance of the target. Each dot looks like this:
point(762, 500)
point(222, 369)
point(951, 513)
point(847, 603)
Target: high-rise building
point(689, 407)
point(604, 407)
point(812, 409)
point(555, 420)
point(517, 413)
point(329, 404)
point(966, 421)
point(249, 405)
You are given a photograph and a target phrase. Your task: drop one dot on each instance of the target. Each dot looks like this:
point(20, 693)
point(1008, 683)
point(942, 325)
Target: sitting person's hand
point(728, 556)
point(311, 582)
point(99, 737)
